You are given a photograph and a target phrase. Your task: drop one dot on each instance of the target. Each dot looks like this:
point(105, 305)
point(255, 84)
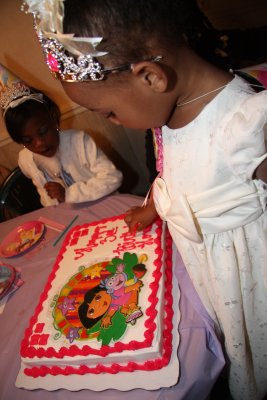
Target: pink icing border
point(159, 363)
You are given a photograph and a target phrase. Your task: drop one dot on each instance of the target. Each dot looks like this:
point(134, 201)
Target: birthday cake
point(107, 306)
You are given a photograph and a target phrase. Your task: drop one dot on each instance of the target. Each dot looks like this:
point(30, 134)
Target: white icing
point(69, 267)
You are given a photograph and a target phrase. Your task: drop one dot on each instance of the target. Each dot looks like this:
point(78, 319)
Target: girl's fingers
point(135, 227)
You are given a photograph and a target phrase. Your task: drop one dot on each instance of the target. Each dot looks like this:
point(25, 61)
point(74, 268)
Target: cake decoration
point(88, 303)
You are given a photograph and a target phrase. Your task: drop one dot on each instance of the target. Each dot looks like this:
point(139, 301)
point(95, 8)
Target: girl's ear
point(152, 75)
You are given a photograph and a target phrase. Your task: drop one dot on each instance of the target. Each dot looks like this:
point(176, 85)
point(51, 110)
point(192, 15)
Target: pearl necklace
point(200, 97)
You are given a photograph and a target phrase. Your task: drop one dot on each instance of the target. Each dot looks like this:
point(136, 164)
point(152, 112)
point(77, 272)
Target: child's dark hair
point(130, 27)
point(83, 308)
point(15, 118)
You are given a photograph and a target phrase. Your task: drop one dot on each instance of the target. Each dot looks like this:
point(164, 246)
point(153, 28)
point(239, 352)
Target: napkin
point(17, 283)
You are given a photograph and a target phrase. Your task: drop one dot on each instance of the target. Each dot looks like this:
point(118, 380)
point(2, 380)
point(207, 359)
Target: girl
point(211, 153)
point(65, 166)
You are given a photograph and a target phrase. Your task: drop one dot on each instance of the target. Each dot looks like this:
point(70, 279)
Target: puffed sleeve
point(99, 176)
point(245, 134)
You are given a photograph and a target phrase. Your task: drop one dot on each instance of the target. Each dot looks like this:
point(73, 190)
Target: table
point(200, 354)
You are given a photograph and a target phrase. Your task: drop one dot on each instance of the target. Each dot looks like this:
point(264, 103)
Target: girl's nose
point(39, 143)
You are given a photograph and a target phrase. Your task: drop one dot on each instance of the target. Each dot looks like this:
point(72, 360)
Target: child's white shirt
point(79, 165)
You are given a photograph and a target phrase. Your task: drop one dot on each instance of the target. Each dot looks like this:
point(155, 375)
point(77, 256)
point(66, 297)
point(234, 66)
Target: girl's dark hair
point(83, 308)
point(130, 28)
point(15, 118)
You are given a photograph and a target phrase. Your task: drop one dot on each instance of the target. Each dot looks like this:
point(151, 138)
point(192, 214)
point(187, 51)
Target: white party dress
point(216, 213)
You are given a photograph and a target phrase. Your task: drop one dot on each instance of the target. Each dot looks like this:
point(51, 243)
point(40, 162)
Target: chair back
point(18, 196)
point(4, 172)
point(256, 76)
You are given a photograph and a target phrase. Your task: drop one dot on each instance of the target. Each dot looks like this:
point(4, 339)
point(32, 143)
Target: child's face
point(99, 304)
point(40, 134)
point(130, 104)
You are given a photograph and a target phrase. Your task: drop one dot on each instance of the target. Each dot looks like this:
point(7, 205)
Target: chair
point(18, 196)
point(4, 172)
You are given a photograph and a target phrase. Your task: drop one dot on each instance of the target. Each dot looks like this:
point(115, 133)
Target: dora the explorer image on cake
point(101, 301)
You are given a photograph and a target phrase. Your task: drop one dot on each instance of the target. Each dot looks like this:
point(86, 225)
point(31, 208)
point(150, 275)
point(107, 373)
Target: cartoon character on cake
point(101, 300)
point(114, 294)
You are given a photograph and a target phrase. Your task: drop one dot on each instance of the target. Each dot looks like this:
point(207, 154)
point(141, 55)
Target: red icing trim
point(28, 351)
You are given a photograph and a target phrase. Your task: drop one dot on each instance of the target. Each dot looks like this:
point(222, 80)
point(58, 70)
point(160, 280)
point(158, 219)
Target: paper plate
point(22, 238)
point(7, 277)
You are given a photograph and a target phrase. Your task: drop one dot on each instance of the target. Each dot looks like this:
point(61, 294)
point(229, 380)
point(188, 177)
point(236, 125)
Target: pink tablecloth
point(200, 354)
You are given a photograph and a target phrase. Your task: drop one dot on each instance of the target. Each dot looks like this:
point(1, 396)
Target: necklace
point(200, 97)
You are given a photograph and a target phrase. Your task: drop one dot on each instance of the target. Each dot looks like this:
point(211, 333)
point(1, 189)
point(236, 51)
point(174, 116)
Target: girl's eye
point(26, 140)
point(43, 130)
point(97, 297)
point(109, 115)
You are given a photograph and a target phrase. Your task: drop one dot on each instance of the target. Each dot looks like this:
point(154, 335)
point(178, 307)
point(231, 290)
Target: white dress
point(216, 213)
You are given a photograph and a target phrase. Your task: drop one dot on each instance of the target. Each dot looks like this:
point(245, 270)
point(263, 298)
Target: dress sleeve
point(30, 169)
point(100, 175)
point(245, 135)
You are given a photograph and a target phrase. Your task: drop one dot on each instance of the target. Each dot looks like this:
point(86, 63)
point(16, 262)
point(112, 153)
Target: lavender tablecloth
point(200, 354)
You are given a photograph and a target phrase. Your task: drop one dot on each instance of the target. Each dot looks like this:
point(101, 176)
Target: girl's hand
point(138, 218)
point(55, 191)
point(261, 171)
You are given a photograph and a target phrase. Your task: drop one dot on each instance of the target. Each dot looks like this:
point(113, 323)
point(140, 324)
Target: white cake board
point(149, 380)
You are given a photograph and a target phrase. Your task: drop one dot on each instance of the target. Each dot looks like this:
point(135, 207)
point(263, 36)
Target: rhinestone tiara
point(68, 68)
point(10, 93)
point(69, 58)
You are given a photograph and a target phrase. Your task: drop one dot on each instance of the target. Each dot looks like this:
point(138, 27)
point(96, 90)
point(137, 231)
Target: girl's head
point(134, 32)
point(96, 303)
point(35, 124)
point(131, 30)
point(143, 92)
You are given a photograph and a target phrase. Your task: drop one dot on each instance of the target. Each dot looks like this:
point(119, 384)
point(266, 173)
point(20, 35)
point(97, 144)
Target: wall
point(235, 14)
point(126, 148)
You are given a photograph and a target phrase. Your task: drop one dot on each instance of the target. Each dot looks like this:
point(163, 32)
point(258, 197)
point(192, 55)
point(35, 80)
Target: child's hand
point(138, 218)
point(55, 191)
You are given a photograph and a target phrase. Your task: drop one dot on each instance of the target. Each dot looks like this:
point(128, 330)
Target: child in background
point(210, 153)
point(65, 166)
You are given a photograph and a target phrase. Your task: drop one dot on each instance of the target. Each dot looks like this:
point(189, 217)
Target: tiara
point(80, 69)
point(70, 68)
point(13, 92)
point(69, 58)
